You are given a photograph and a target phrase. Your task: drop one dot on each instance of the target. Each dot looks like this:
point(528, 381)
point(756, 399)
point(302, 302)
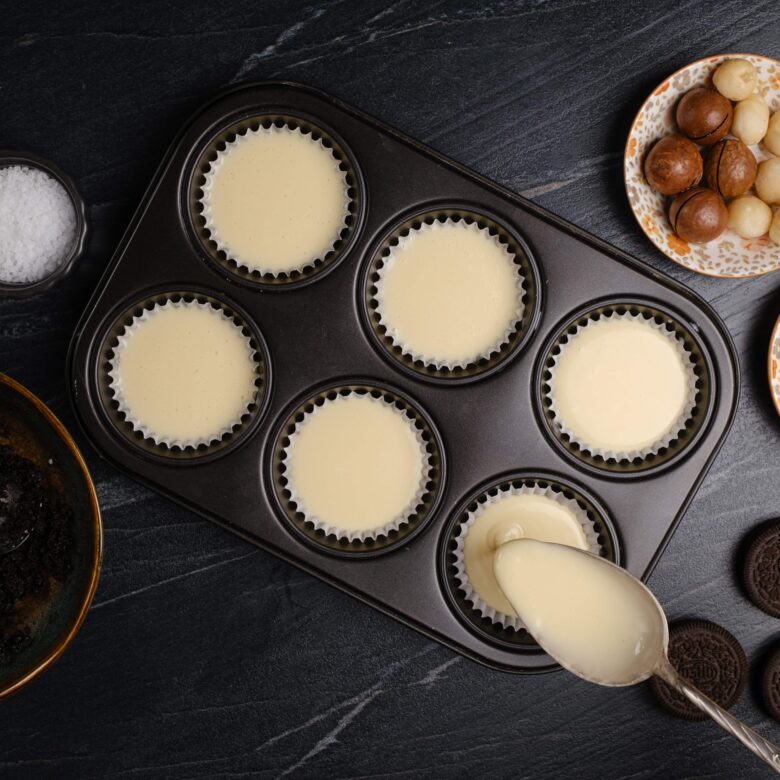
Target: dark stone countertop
point(204, 657)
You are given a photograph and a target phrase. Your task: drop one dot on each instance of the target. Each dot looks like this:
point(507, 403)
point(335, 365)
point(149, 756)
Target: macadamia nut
point(673, 165)
point(749, 217)
point(730, 168)
point(772, 137)
point(751, 120)
point(735, 79)
point(698, 215)
point(768, 181)
point(704, 115)
point(774, 228)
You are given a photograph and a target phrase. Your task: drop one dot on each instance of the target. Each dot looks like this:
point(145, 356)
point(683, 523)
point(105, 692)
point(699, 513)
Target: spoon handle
point(754, 742)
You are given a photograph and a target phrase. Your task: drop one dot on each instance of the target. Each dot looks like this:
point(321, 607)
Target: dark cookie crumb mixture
point(710, 658)
point(36, 525)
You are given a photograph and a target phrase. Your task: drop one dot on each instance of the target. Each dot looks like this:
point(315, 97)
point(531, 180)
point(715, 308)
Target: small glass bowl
point(29, 160)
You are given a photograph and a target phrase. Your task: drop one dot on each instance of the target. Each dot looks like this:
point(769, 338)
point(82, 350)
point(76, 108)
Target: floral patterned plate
point(728, 255)
point(774, 365)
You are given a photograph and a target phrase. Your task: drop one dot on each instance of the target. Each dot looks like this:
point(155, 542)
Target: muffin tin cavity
point(503, 632)
point(518, 331)
point(684, 434)
point(205, 165)
point(319, 533)
point(132, 430)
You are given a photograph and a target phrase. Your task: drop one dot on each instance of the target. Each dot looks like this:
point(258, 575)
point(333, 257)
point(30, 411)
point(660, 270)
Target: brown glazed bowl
point(29, 427)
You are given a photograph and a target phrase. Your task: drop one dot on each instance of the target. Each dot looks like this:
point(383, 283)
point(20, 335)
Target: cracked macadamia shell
point(673, 165)
point(698, 215)
point(730, 168)
point(704, 115)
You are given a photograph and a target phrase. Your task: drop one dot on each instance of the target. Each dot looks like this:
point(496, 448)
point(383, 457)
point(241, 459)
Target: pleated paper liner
point(147, 442)
point(510, 634)
point(333, 540)
point(468, 589)
point(204, 235)
point(518, 333)
point(672, 446)
point(663, 439)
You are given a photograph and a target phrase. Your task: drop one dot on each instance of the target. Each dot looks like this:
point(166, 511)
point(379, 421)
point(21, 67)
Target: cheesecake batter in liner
point(409, 522)
point(684, 427)
point(134, 429)
point(516, 332)
point(489, 498)
point(487, 623)
point(219, 150)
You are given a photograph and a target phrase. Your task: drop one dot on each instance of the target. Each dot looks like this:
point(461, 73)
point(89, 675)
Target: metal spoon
point(536, 601)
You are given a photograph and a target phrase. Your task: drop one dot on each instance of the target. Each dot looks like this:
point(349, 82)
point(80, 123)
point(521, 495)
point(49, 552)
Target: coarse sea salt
point(37, 224)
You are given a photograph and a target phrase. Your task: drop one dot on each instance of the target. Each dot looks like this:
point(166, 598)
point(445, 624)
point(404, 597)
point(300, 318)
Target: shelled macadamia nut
point(704, 115)
point(772, 137)
point(673, 165)
point(774, 228)
point(768, 181)
point(751, 120)
point(749, 217)
point(735, 79)
point(698, 215)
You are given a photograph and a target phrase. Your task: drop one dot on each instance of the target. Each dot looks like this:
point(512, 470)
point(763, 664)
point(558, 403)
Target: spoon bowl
point(592, 616)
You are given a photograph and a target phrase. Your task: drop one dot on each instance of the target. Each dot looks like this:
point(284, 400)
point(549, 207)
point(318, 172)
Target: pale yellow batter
point(620, 385)
point(581, 610)
point(356, 464)
point(449, 294)
point(276, 200)
point(515, 517)
point(184, 373)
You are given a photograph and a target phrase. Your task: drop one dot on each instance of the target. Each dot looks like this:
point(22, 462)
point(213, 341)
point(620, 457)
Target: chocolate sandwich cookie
point(761, 569)
point(710, 658)
point(770, 684)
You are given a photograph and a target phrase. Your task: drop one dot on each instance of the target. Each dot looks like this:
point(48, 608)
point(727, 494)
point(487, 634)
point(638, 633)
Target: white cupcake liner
point(371, 533)
point(677, 426)
point(433, 360)
point(471, 596)
point(115, 377)
point(205, 200)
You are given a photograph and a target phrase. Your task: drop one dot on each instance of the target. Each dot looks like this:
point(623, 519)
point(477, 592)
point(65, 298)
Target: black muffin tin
point(315, 334)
